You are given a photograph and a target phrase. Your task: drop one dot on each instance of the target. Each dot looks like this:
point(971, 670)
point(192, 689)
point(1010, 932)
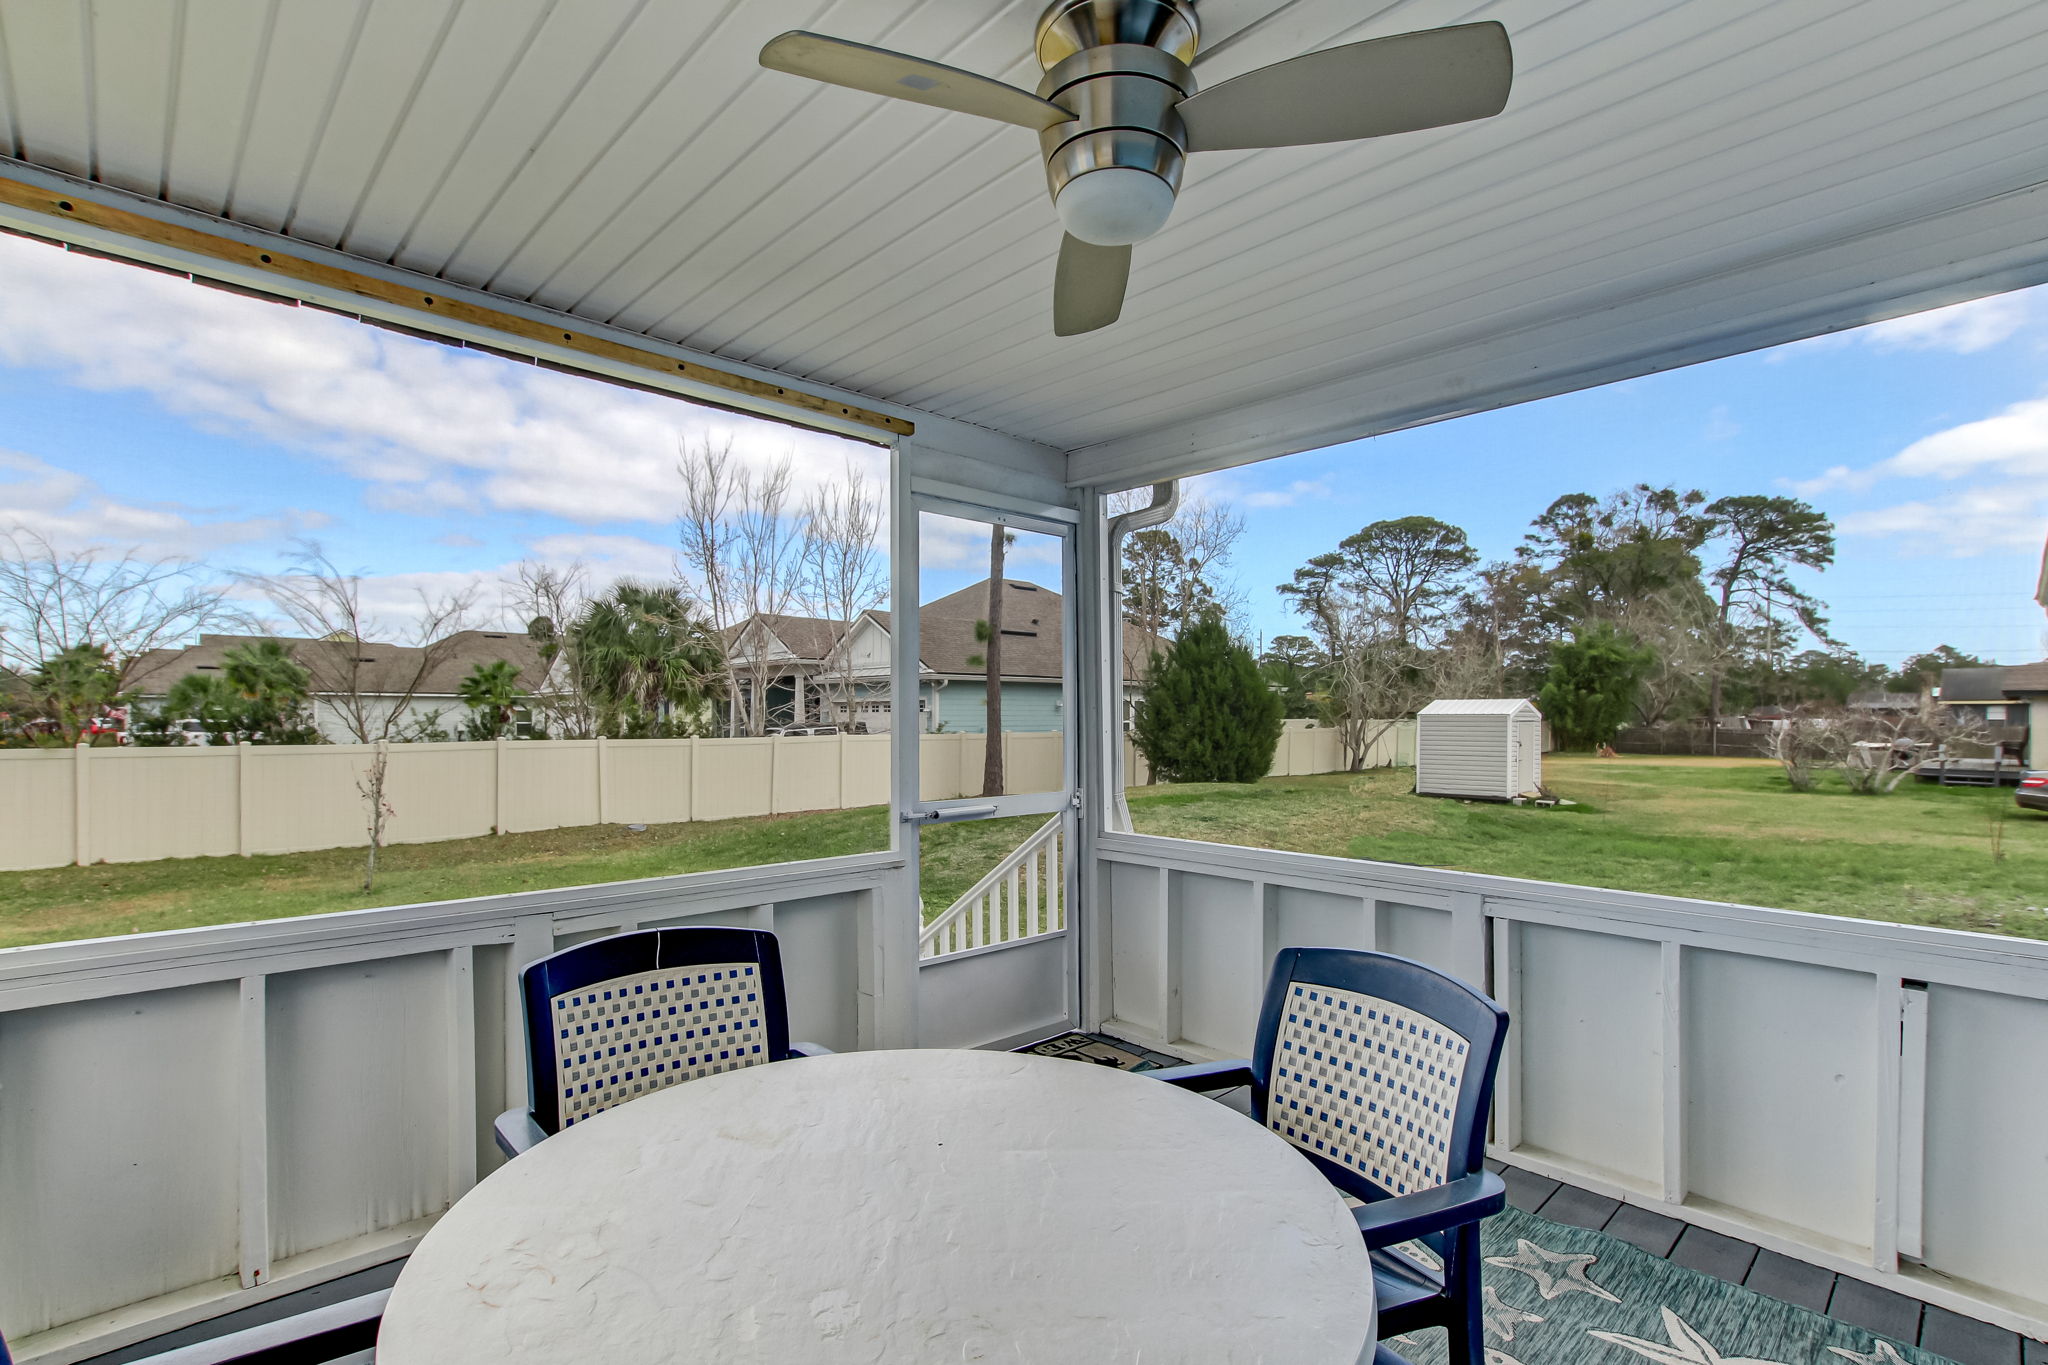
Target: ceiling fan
point(1118, 111)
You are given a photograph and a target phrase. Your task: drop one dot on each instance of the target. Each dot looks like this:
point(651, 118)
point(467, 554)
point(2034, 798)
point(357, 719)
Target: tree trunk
point(1714, 683)
point(992, 763)
point(373, 789)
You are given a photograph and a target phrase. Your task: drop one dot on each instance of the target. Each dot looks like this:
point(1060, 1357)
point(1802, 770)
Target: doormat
point(1093, 1047)
point(1560, 1295)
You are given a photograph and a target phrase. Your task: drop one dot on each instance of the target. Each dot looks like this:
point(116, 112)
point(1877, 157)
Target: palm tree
point(274, 688)
point(491, 690)
point(73, 687)
point(645, 655)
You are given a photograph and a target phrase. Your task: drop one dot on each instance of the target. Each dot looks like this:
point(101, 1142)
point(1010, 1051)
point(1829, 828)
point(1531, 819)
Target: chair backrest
point(616, 1018)
point(1379, 1068)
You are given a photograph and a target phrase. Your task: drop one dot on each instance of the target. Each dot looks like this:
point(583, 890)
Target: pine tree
point(1206, 715)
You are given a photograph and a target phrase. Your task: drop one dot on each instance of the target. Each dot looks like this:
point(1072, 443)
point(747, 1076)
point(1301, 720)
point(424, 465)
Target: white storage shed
point(1487, 748)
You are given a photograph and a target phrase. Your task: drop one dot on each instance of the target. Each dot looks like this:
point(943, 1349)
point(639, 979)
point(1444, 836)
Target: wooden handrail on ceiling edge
point(427, 306)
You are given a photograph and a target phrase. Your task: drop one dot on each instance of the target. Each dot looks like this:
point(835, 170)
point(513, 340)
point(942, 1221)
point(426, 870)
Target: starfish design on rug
point(1885, 1354)
point(1501, 1316)
point(1686, 1347)
point(1555, 1272)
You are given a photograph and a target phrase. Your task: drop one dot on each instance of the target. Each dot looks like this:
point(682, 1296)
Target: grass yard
point(1719, 829)
point(1725, 829)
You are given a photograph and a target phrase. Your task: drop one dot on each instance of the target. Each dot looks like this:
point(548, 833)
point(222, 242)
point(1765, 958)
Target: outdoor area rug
point(1559, 1295)
point(1097, 1048)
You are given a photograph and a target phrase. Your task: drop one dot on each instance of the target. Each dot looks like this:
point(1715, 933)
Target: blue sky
point(136, 409)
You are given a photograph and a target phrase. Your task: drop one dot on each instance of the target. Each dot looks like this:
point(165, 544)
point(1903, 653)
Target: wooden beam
point(426, 303)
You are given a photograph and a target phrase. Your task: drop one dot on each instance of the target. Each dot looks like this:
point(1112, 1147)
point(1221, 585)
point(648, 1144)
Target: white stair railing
point(1023, 897)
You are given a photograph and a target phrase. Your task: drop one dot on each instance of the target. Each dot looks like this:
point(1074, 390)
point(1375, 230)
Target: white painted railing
point(1864, 1096)
point(196, 1121)
point(1023, 897)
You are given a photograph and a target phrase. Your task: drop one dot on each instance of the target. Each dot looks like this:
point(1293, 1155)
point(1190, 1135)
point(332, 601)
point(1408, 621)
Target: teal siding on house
point(1027, 706)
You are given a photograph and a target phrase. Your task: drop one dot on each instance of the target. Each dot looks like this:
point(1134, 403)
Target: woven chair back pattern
point(620, 1039)
point(1368, 1084)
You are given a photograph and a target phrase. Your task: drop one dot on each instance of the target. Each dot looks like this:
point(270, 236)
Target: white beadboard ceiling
point(1670, 181)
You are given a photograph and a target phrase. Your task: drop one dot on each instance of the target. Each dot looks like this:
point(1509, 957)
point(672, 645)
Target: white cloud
point(431, 428)
point(954, 543)
point(1960, 329)
point(1963, 328)
point(2015, 442)
point(1990, 481)
point(2011, 444)
point(72, 511)
point(1300, 491)
point(1962, 524)
point(1721, 425)
point(610, 557)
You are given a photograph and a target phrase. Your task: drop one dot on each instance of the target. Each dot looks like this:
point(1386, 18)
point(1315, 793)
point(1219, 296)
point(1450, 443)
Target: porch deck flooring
point(1963, 1340)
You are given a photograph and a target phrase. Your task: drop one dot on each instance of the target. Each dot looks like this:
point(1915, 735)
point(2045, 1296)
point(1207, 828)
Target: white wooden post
point(1673, 994)
point(252, 1098)
point(499, 778)
point(242, 802)
point(81, 808)
point(696, 776)
point(462, 1127)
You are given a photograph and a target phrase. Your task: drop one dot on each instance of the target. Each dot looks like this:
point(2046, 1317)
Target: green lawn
point(1722, 829)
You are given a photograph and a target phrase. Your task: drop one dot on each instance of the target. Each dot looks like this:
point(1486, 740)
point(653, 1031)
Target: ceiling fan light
point(1115, 206)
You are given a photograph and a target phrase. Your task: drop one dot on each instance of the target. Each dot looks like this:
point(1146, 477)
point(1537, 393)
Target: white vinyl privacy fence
point(91, 805)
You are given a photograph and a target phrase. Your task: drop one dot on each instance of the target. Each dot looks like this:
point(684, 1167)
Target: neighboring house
point(836, 673)
point(381, 672)
point(2011, 703)
point(2026, 689)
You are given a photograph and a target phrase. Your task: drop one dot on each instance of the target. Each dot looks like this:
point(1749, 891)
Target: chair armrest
point(517, 1132)
point(1204, 1075)
point(810, 1050)
point(1390, 1222)
point(317, 1334)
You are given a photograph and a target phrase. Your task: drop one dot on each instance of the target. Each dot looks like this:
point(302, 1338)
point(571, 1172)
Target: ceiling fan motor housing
point(1121, 66)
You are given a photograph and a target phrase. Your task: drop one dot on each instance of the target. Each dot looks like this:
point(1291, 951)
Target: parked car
point(189, 732)
point(2033, 791)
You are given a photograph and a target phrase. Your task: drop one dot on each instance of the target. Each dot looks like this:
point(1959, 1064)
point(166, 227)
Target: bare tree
point(1879, 750)
point(1805, 745)
point(368, 684)
point(127, 604)
point(1175, 575)
point(1376, 681)
point(548, 601)
point(845, 569)
point(742, 537)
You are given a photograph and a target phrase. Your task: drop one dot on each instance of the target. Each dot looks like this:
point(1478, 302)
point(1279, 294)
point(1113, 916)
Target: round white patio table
point(892, 1207)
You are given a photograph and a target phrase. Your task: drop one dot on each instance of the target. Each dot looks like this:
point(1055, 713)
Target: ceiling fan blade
point(882, 72)
point(1088, 286)
point(1368, 89)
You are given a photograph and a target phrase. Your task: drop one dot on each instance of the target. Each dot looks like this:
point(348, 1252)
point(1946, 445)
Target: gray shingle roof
point(1033, 647)
point(386, 668)
point(2024, 678)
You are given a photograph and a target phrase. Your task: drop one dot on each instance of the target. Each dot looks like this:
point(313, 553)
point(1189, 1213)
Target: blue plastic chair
point(617, 1018)
point(1381, 1071)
